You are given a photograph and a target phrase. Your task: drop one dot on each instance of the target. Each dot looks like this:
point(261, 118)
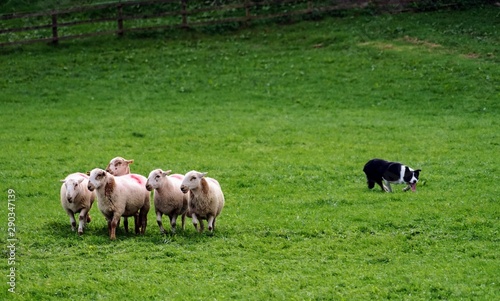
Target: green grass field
point(284, 117)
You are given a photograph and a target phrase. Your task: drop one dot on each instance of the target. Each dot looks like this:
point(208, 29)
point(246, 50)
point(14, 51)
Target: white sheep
point(206, 199)
point(121, 196)
point(76, 198)
point(168, 198)
point(119, 166)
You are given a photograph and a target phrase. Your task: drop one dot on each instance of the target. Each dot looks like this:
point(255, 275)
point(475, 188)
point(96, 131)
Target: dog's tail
point(371, 183)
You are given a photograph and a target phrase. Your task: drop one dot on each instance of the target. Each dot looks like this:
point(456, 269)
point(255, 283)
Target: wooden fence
point(119, 18)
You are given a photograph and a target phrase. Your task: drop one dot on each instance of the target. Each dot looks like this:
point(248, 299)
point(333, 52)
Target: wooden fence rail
point(115, 17)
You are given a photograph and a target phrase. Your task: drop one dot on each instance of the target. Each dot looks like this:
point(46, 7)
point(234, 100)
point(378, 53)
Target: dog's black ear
point(417, 172)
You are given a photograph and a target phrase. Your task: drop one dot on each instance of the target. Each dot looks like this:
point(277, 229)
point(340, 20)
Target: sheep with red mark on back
point(121, 196)
point(206, 199)
point(76, 198)
point(119, 166)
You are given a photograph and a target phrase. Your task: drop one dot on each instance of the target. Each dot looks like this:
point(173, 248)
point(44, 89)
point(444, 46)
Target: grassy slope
point(9, 6)
point(285, 118)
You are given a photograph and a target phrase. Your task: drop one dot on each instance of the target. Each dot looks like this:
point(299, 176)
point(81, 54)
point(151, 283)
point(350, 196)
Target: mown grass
point(285, 118)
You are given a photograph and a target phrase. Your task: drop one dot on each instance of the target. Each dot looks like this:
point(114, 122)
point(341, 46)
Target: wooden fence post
point(55, 38)
point(247, 12)
point(184, 13)
point(120, 19)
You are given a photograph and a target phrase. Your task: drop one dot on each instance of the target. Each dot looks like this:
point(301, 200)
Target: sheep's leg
point(173, 221)
point(160, 223)
point(72, 220)
point(211, 220)
point(202, 226)
point(195, 222)
point(137, 223)
point(82, 218)
point(112, 226)
point(109, 227)
point(125, 224)
point(143, 218)
point(183, 217)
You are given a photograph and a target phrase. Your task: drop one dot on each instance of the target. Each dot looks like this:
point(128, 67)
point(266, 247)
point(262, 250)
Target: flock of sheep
point(122, 194)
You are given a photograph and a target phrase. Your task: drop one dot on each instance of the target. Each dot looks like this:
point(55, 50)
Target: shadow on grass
point(60, 229)
point(55, 230)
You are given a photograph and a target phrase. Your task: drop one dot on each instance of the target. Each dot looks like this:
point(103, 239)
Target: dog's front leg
point(387, 186)
point(407, 188)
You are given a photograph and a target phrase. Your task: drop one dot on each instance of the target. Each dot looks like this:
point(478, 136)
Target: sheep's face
point(192, 180)
point(72, 188)
point(155, 178)
point(119, 166)
point(97, 179)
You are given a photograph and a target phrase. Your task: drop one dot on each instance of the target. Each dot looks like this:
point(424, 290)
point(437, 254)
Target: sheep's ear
point(202, 174)
point(88, 173)
point(129, 161)
point(62, 181)
point(108, 167)
point(80, 180)
point(166, 173)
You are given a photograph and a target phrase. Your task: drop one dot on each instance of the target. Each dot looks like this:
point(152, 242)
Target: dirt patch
point(417, 41)
point(380, 45)
point(472, 55)
point(409, 43)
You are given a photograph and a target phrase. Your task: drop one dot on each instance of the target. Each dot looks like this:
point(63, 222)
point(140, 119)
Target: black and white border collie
point(378, 170)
